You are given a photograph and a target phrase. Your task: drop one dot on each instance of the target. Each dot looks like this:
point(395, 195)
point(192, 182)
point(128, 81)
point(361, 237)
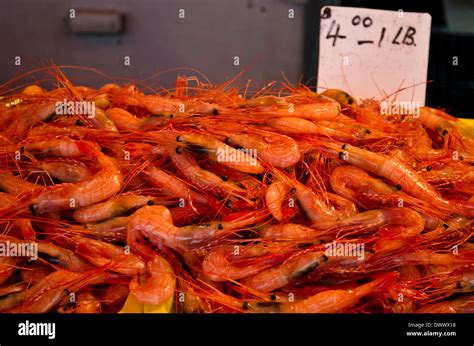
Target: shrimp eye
point(215, 112)
point(293, 190)
point(444, 133)
point(225, 177)
point(79, 122)
point(33, 209)
point(461, 158)
point(246, 305)
point(398, 187)
point(228, 204)
point(219, 226)
point(429, 168)
point(179, 150)
point(459, 284)
point(325, 258)
point(341, 156)
point(344, 146)
point(368, 131)
point(178, 139)
point(22, 149)
point(150, 202)
point(273, 297)
point(227, 140)
point(171, 116)
point(445, 226)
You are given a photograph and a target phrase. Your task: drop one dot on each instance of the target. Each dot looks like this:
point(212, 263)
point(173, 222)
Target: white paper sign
point(374, 53)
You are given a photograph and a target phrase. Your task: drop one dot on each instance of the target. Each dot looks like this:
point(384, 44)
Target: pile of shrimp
point(287, 201)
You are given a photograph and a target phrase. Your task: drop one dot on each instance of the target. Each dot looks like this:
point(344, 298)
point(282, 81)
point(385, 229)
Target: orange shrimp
point(395, 171)
point(330, 301)
point(8, 266)
point(293, 231)
point(155, 223)
point(232, 262)
point(203, 179)
point(320, 108)
point(223, 153)
point(66, 170)
point(63, 257)
point(157, 284)
point(290, 270)
point(124, 120)
point(116, 206)
point(274, 197)
point(114, 295)
point(411, 222)
point(100, 254)
point(49, 292)
point(18, 287)
point(101, 186)
point(172, 186)
point(111, 230)
point(84, 303)
point(276, 149)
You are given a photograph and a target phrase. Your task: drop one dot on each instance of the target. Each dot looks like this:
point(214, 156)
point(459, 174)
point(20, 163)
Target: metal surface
point(208, 38)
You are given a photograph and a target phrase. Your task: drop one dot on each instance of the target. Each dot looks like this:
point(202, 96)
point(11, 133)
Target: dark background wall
point(270, 46)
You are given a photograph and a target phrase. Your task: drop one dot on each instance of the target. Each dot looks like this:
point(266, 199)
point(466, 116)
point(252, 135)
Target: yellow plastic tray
point(132, 305)
point(467, 124)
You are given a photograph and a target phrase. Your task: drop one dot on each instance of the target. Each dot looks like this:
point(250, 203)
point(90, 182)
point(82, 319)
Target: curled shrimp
point(156, 285)
point(114, 229)
point(100, 186)
point(274, 197)
point(156, 223)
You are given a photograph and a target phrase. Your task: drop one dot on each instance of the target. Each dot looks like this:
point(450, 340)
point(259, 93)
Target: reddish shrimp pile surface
point(286, 201)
